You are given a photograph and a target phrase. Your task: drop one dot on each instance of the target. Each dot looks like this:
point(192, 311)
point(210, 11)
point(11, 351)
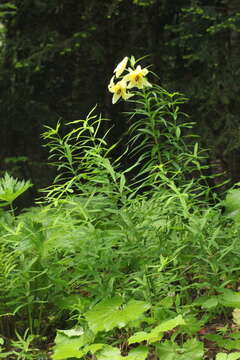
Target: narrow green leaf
point(178, 132)
point(195, 152)
point(122, 183)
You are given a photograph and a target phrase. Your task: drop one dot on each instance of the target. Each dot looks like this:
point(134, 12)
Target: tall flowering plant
point(160, 133)
point(159, 143)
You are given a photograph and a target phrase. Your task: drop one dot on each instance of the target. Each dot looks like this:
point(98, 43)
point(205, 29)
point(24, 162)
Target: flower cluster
point(135, 78)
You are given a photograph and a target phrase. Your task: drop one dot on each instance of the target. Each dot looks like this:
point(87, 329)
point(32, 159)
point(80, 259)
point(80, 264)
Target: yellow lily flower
point(136, 78)
point(121, 67)
point(119, 90)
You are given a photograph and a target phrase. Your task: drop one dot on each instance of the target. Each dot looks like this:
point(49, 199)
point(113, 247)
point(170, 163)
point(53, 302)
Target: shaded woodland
point(120, 124)
point(56, 58)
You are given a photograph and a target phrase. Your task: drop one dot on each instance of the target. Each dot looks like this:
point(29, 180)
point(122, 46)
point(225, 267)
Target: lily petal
point(121, 67)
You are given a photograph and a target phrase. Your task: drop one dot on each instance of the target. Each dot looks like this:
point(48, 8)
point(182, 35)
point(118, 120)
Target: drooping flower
point(119, 90)
point(136, 78)
point(121, 67)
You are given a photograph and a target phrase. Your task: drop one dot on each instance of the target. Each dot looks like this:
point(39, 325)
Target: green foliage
point(191, 349)
point(231, 204)
point(107, 314)
point(133, 260)
point(157, 333)
point(224, 356)
point(81, 158)
point(202, 60)
point(161, 139)
point(7, 9)
point(68, 346)
point(77, 343)
point(144, 2)
point(226, 298)
point(11, 188)
point(22, 348)
point(51, 73)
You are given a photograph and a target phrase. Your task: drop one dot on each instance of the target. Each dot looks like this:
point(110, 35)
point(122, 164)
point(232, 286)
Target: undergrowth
point(132, 262)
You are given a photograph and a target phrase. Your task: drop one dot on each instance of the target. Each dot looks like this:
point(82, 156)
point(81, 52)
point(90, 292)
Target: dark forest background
point(57, 57)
